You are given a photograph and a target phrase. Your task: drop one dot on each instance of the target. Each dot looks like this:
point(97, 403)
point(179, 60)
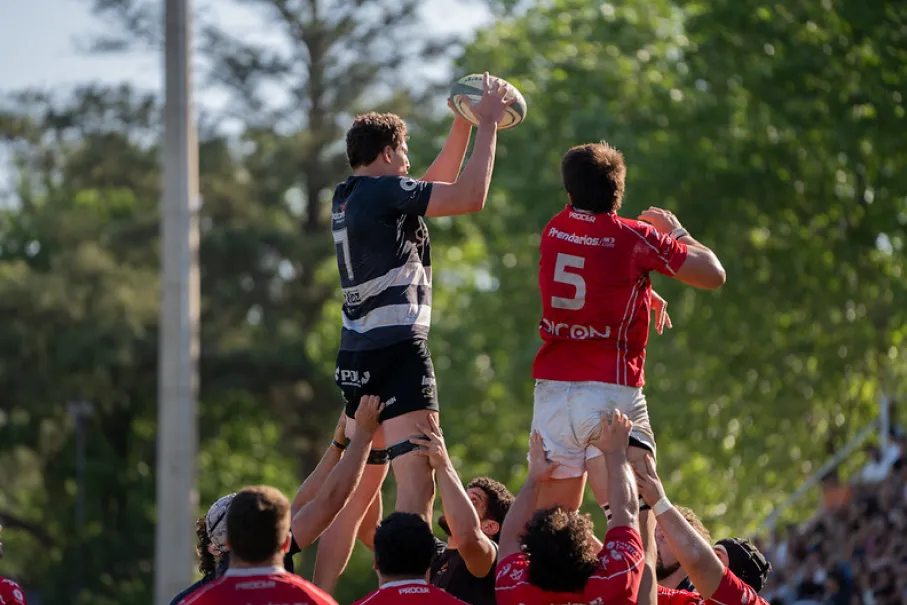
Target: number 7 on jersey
point(342, 243)
point(562, 276)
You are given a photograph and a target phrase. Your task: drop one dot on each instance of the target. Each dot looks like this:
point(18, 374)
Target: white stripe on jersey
point(390, 316)
point(410, 274)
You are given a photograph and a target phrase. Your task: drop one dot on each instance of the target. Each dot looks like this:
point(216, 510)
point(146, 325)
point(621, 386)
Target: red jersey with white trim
point(409, 592)
point(11, 593)
point(594, 281)
point(615, 582)
point(731, 591)
point(259, 586)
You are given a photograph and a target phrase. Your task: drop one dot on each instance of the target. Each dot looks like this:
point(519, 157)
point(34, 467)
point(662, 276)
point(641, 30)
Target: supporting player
point(550, 557)
point(596, 300)
point(384, 260)
point(258, 534)
point(10, 592)
point(404, 548)
point(731, 572)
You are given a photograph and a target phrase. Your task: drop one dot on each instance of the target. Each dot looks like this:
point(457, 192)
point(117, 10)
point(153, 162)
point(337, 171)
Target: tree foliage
point(772, 131)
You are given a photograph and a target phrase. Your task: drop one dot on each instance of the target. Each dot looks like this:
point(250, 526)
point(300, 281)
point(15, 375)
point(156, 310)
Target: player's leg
point(413, 400)
point(370, 523)
point(552, 417)
point(632, 402)
point(336, 544)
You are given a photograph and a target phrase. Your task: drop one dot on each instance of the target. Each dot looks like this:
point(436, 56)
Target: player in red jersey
point(404, 547)
point(554, 561)
point(731, 573)
point(10, 592)
point(258, 534)
point(596, 299)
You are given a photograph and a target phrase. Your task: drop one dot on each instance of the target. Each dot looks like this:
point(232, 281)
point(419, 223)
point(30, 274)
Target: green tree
point(795, 191)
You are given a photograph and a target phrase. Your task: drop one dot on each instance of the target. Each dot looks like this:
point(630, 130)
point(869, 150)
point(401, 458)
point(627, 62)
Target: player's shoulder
point(631, 224)
point(444, 597)
point(671, 596)
point(210, 593)
point(512, 570)
point(11, 592)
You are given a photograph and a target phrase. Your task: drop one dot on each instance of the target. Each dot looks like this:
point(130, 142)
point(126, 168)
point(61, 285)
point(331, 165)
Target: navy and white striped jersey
point(384, 259)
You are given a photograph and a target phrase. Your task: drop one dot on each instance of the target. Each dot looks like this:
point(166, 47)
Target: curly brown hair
point(561, 557)
point(207, 563)
point(595, 176)
point(370, 134)
point(497, 497)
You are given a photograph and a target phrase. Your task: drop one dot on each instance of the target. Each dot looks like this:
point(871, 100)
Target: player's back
point(595, 288)
point(384, 259)
point(259, 586)
point(409, 592)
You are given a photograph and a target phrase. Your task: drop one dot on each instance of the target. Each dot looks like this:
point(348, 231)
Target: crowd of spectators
point(854, 550)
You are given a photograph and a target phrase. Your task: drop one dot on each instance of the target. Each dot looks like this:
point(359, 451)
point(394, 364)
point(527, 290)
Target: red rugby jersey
point(594, 281)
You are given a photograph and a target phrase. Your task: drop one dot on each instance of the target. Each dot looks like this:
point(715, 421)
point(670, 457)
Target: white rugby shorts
point(568, 414)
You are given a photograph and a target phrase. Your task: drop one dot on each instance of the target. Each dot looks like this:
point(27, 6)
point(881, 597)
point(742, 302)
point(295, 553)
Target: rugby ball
point(469, 89)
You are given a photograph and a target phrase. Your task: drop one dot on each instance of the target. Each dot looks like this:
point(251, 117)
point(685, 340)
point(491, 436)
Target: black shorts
point(402, 375)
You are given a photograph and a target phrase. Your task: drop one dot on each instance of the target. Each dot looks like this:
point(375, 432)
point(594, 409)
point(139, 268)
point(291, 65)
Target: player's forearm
point(346, 474)
point(622, 495)
point(458, 510)
point(692, 551)
point(476, 178)
point(309, 488)
point(447, 165)
point(648, 586)
point(517, 517)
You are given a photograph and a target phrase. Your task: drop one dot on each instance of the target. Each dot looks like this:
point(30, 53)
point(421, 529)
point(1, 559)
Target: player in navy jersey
point(384, 261)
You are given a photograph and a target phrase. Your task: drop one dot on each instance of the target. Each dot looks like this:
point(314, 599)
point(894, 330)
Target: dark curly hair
point(561, 558)
point(370, 134)
point(207, 563)
point(498, 499)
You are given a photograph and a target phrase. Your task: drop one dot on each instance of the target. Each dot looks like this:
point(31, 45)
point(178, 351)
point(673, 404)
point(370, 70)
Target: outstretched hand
point(660, 310)
point(368, 416)
point(432, 446)
point(496, 96)
point(650, 487)
point(614, 433)
point(540, 468)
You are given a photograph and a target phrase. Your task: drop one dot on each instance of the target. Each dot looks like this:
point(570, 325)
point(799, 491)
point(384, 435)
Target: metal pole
point(177, 438)
point(884, 424)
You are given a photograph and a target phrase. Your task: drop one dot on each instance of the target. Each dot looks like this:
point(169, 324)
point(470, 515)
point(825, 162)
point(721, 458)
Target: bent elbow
point(717, 278)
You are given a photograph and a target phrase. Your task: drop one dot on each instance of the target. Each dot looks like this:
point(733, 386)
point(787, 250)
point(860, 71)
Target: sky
point(40, 41)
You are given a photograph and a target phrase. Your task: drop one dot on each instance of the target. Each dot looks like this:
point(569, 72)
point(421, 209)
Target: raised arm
point(315, 517)
point(613, 440)
point(540, 469)
point(469, 191)
point(309, 488)
point(701, 268)
point(477, 549)
point(446, 166)
point(694, 554)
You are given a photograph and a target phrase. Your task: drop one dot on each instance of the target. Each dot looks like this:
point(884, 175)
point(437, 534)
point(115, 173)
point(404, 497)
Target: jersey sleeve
point(403, 195)
point(734, 591)
point(512, 573)
point(656, 251)
point(621, 562)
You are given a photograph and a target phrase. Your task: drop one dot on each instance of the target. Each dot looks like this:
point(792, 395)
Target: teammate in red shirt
point(258, 534)
point(404, 547)
point(10, 592)
point(553, 561)
point(596, 299)
point(731, 573)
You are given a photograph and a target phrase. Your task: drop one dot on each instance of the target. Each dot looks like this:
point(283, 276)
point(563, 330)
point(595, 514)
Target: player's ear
point(286, 544)
point(388, 154)
point(490, 528)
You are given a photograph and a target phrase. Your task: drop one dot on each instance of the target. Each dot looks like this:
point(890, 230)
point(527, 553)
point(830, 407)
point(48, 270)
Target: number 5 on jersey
point(563, 276)
point(342, 243)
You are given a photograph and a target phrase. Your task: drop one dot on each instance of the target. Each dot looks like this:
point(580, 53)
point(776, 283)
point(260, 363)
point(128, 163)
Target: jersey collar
point(245, 572)
point(403, 583)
